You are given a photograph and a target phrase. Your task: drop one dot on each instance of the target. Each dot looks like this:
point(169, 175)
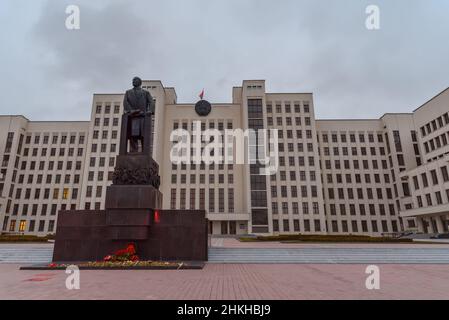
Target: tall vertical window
point(397, 141)
point(192, 199)
point(183, 199)
point(202, 199)
point(9, 141)
point(22, 225)
point(231, 200)
point(211, 200)
point(173, 199)
point(221, 203)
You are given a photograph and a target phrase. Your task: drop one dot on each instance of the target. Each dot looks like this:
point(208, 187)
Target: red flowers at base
point(124, 255)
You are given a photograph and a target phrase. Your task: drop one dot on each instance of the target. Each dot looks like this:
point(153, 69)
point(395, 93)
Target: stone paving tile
point(233, 282)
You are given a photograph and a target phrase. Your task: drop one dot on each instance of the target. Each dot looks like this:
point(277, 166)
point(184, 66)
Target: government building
point(363, 177)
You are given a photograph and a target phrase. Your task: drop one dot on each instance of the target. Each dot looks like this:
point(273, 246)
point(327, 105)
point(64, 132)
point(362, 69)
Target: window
point(211, 200)
point(434, 177)
point(445, 174)
point(22, 225)
point(65, 194)
point(12, 226)
point(173, 199)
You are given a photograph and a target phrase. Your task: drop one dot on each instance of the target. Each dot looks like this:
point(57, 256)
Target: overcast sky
point(320, 46)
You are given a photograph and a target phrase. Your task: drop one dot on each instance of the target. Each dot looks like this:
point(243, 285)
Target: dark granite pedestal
point(132, 215)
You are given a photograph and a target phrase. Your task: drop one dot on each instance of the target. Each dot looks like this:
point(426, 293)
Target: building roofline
point(296, 93)
point(109, 94)
point(43, 121)
point(347, 119)
point(14, 115)
point(439, 94)
point(185, 104)
point(58, 121)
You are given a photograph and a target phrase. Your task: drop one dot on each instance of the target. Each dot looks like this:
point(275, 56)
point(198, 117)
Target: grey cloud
point(305, 46)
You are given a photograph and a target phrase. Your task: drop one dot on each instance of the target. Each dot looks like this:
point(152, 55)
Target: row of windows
point(289, 134)
point(296, 226)
point(289, 121)
point(220, 125)
point(337, 151)
point(360, 193)
point(430, 201)
point(104, 134)
point(106, 122)
point(436, 143)
point(202, 179)
point(192, 196)
point(22, 226)
point(357, 178)
point(42, 210)
point(101, 162)
point(53, 152)
point(355, 165)
point(107, 108)
point(288, 107)
point(356, 226)
point(100, 175)
point(56, 194)
point(293, 176)
point(58, 178)
point(90, 192)
point(360, 210)
point(103, 148)
point(435, 124)
point(290, 147)
point(55, 139)
point(434, 178)
point(300, 161)
point(343, 138)
point(202, 166)
point(51, 165)
point(294, 191)
point(284, 209)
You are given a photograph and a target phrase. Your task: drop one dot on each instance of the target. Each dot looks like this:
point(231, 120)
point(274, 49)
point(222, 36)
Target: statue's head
point(137, 82)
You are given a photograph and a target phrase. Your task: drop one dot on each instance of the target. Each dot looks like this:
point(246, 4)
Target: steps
point(330, 256)
point(30, 255)
point(27, 255)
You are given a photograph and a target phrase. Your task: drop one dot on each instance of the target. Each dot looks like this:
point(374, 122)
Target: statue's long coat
point(141, 100)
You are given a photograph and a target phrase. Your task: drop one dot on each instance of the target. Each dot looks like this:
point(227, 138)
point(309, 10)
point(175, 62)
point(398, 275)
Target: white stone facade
point(334, 177)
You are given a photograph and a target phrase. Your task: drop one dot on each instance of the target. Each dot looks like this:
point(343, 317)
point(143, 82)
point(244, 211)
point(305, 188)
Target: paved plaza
point(233, 282)
point(238, 281)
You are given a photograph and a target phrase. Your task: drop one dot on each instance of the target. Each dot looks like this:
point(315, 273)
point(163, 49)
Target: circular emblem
point(203, 108)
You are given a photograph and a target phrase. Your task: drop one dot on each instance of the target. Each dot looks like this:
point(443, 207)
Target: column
point(427, 225)
point(440, 226)
point(419, 223)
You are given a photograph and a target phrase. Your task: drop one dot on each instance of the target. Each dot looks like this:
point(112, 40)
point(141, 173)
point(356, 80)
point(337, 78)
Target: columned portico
point(432, 224)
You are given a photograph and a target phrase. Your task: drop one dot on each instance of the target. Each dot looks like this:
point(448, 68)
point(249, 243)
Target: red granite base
point(159, 235)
